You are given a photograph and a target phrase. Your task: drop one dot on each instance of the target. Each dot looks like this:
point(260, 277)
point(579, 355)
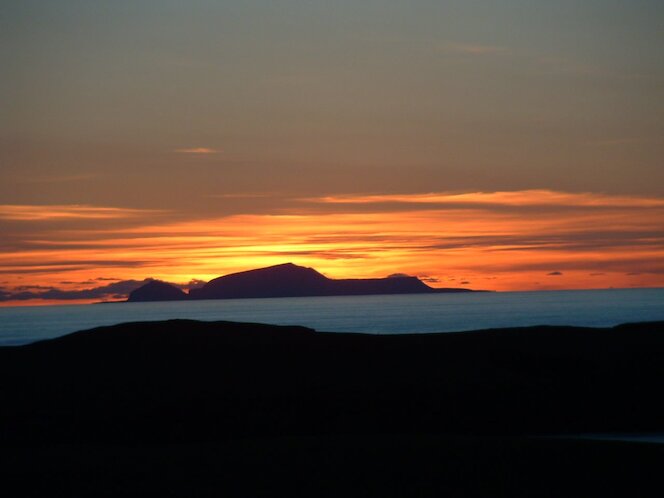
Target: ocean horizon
point(375, 314)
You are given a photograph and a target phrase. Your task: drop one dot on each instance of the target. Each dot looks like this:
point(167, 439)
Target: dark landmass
point(156, 290)
point(287, 280)
point(185, 408)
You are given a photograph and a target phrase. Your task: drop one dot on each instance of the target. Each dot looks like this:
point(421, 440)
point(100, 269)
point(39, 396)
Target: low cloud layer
point(116, 291)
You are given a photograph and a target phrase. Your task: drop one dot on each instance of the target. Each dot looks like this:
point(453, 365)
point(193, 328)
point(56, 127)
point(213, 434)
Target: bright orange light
point(523, 240)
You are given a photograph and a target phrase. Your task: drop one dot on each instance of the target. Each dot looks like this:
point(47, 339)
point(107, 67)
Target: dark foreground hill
point(184, 408)
point(286, 280)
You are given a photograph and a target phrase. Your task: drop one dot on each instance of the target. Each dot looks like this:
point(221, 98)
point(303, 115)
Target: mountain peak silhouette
point(284, 280)
point(156, 290)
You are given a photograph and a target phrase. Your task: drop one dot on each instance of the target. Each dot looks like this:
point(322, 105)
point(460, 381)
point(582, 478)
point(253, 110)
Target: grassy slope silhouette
point(450, 412)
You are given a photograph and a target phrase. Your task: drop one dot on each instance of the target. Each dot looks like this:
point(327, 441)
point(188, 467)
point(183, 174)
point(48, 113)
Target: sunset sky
point(503, 145)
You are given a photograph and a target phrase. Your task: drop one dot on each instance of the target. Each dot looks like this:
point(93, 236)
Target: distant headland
point(285, 280)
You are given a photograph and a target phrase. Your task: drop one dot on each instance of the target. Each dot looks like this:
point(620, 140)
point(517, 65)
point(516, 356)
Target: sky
point(503, 145)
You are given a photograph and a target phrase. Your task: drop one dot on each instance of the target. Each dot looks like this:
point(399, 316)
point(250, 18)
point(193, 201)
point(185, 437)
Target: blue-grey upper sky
point(148, 103)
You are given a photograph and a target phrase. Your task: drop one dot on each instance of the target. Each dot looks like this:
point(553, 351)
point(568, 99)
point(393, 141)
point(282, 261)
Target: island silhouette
point(285, 280)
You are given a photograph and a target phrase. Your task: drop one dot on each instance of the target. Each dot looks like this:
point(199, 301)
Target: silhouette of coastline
point(221, 404)
point(286, 280)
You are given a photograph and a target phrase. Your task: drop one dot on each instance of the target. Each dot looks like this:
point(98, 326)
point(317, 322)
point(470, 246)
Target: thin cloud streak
point(474, 49)
point(198, 151)
point(619, 141)
point(58, 178)
point(517, 198)
point(13, 212)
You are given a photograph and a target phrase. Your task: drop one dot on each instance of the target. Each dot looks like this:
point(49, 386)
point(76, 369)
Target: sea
point(383, 314)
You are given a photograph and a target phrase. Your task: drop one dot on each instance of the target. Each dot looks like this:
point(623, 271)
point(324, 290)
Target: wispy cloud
point(474, 49)
point(521, 198)
point(571, 65)
point(198, 151)
point(17, 212)
point(619, 141)
point(243, 195)
point(58, 178)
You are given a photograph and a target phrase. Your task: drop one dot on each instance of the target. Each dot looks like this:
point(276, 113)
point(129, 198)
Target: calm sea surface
point(373, 314)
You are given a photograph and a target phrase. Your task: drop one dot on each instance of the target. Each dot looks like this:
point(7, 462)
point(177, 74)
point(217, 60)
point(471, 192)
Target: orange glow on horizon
point(527, 240)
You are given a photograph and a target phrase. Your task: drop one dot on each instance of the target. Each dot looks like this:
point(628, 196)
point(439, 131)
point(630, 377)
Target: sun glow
point(504, 241)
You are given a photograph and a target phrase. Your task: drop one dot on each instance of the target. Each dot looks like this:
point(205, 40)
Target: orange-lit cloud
point(198, 150)
point(502, 241)
point(518, 198)
point(64, 212)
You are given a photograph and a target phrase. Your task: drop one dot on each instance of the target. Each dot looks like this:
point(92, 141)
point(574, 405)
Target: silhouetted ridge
point(157, 291)
point(183, 380)
point(274, 281)
point(286, 280)
point(185, 408)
